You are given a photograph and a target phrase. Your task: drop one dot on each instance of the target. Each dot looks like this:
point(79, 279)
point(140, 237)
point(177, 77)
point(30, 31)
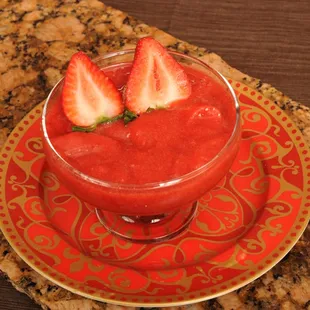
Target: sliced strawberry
point(89, 97)
point(156, 80)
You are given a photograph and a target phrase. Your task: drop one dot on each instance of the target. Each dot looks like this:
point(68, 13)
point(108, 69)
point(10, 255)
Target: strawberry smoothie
point(158, 145)
point(141, 136)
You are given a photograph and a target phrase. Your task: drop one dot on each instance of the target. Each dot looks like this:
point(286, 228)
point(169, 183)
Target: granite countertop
point(37, 39)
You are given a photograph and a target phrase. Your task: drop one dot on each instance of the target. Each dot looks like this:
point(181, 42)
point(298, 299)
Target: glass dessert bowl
point(145, 212)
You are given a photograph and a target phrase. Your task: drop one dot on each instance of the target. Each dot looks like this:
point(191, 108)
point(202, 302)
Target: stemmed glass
point(150, 212)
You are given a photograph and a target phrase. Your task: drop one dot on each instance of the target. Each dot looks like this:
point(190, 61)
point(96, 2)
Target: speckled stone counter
point(37, 39)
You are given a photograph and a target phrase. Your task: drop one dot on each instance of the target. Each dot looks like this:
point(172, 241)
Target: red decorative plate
point(243, 227)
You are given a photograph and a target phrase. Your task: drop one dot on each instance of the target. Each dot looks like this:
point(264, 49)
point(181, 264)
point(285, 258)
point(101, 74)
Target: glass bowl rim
point(152, 185)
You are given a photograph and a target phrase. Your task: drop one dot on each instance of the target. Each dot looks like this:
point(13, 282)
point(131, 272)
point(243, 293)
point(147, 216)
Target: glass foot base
point(147, 229)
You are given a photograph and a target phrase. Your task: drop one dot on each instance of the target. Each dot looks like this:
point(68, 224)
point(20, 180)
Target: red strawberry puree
point(159, 145)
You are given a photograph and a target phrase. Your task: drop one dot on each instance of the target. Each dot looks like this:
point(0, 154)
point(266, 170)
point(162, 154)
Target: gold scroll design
point(248, 246)
point(231, 219)
point(62, 200)
point(31, 206)
point(113, 278)
point(252, 116)
point(33, 146)
point(176, 281)
point(135, 254)
point(56, 204)
point(59, 201)
point(102, 242)
point(114, 243)
point(51, 185)
point(275, 205)
point(178, 255)
point(119, 280)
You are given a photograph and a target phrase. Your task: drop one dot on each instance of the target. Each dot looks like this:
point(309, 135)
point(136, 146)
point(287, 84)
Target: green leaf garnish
point(109, 120)
point(129, 116)
point(101, 120)
point(84, 129)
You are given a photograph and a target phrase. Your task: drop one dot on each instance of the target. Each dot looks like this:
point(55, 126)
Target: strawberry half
point(89, 96)
point(156, 79)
